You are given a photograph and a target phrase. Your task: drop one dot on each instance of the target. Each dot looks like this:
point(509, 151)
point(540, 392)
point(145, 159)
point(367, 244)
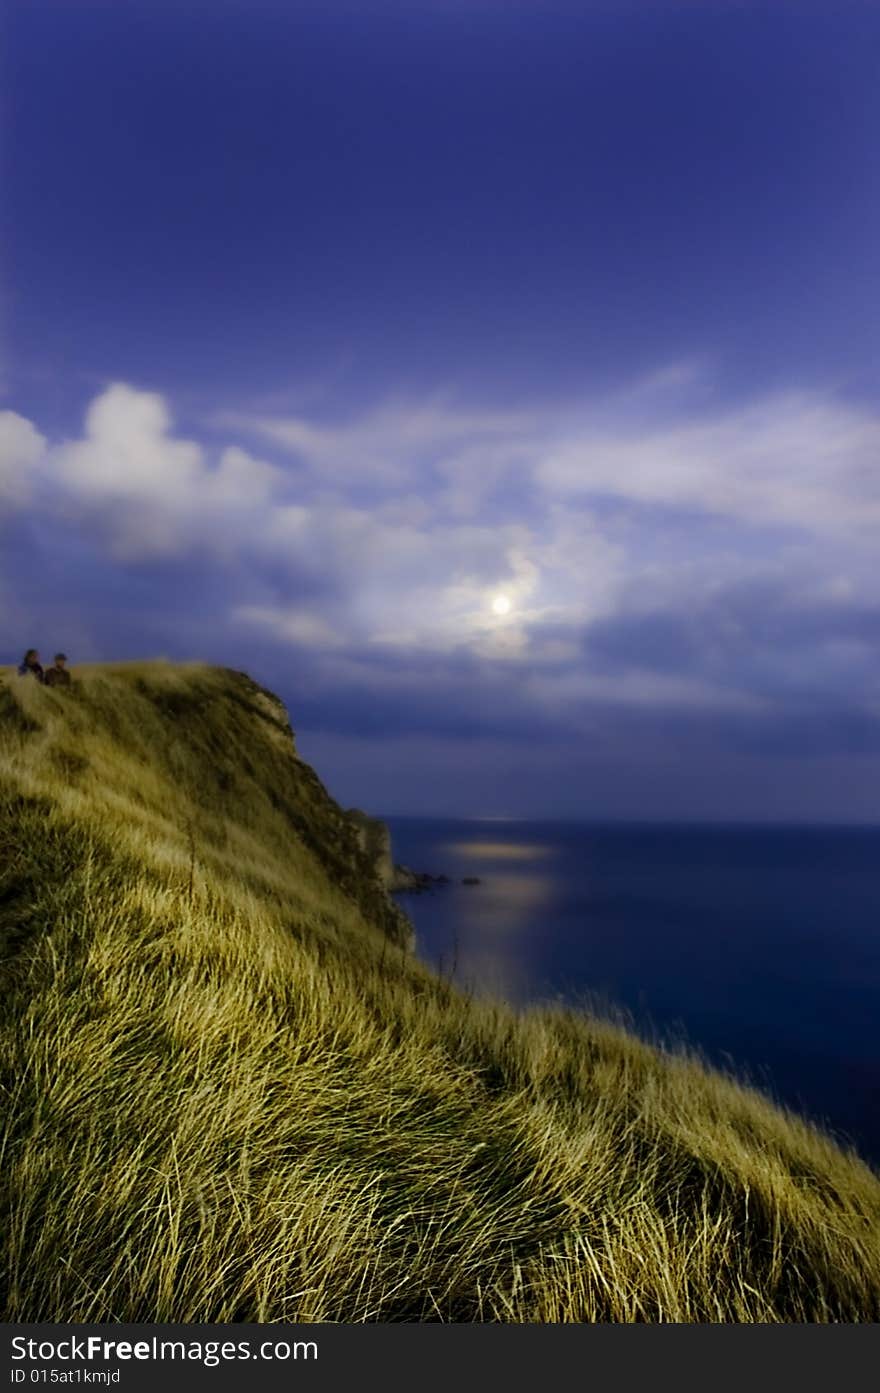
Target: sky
point(498, 381)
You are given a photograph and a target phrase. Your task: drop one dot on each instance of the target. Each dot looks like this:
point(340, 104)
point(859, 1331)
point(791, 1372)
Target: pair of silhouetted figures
point(56, 676)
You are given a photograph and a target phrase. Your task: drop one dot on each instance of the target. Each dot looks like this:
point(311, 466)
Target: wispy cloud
point(386, 445)
point(793, 460)
point(288, 624)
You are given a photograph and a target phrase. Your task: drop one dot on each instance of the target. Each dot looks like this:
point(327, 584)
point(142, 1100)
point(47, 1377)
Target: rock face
point(264, 703)
point(354, 849)
point(374, 840)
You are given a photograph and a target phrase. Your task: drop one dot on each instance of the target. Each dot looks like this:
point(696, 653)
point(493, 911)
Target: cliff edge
point(198, 764)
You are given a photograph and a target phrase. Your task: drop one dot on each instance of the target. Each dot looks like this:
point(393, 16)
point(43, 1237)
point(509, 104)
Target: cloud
point(288, 624)
point(240, 480)
point(151, 493)
point(721, 566)
point(795, 461)
point(391, 443)
point(694, 590)
point(21, 448)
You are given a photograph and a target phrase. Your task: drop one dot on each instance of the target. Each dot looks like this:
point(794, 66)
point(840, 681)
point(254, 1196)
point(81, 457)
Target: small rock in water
point(416, 881)
point(471, 880)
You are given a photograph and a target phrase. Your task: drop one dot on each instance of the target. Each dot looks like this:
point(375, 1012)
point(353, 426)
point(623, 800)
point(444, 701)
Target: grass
point(231, 1093)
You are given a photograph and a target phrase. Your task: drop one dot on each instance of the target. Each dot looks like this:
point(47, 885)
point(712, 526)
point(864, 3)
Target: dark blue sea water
point(761, 945)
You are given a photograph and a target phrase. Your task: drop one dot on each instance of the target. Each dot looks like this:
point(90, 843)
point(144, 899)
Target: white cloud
point(155, 494)
point(388, 445)
point(242, 481)
point(795, 460)
point(21, 449)
point(464, 504)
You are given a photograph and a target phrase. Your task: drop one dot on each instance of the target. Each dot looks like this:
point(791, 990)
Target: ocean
point(759, 945)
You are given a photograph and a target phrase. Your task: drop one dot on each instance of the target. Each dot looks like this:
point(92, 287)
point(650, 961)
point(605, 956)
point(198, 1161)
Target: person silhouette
point(58, 676)
point(30, 666)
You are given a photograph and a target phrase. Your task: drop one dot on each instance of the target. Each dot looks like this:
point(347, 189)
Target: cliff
point(205, 759)
point(374, 840)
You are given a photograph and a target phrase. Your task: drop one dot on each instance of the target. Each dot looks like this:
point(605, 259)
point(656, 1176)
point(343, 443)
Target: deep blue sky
point(326, 325)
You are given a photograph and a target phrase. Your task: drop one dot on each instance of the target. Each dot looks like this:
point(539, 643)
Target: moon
point(501, 604)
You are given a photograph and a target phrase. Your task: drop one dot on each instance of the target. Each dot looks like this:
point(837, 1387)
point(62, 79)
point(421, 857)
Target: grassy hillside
point(230, 1093)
